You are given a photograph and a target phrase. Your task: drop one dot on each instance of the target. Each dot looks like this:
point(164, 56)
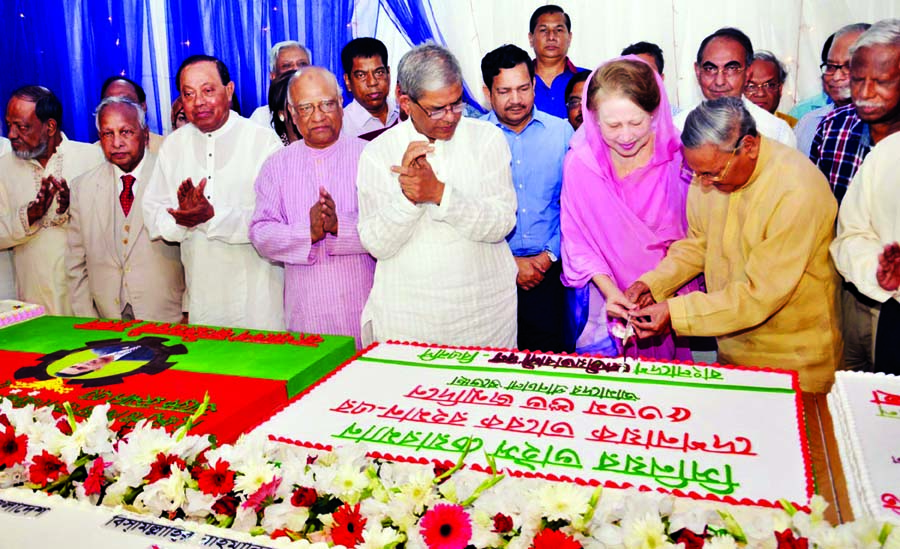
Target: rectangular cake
point(161, 372)
point(723, 433)
point(14, 312)
point(865, 408)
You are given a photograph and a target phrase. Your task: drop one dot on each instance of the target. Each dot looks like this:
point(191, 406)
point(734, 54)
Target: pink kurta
point(327, 283)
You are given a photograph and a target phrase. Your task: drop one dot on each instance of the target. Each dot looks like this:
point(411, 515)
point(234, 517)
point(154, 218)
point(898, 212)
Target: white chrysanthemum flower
point(252, 473)
point(833, 538)
point(284, 515)
point(166, 494)
point(377, 537)
point(562, 501)
point(644, 532)
point(720, 542)
point(419, 491)
point(344, 480)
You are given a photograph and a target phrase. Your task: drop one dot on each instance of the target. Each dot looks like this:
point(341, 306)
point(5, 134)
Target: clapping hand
point(322, 217)
point(41, 203)
point(193, 206)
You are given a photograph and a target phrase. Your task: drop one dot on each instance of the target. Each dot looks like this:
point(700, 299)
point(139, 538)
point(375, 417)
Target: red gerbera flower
point(12, 448)
point(446, 527)
point(786, 540)
point(554, 539)
point(218, 480)
point(304, 497)
point(502, 523)
point(4, 421)
point(226, 505)
point(94, 481)
point(689, 539)
point(46, 468)
point(162, 467)
point(348, 526)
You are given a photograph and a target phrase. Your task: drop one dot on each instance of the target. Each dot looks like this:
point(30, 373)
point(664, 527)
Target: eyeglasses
point(765, 87)
point(831, 68)
point(723, 173)
point(731, 69)
point(380, 73)
point(305, 110)
point(456, 108)
point(573, 103)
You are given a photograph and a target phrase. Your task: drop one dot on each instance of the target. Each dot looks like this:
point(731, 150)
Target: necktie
point(126, 198)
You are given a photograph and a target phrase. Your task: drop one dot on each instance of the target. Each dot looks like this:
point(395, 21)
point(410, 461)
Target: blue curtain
point(411, 19)
point(71, 47)
point(240, 33)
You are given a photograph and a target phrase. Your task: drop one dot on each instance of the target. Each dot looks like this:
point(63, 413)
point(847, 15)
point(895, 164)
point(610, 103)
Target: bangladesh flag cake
point(161, 371)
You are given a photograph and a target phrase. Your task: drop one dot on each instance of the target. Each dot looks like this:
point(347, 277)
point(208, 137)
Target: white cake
point(30, 520)
point(13, 312)
point(865, 408)
point(723, 433)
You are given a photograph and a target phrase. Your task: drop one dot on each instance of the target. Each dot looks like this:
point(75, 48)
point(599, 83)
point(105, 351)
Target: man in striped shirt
point(306, 213)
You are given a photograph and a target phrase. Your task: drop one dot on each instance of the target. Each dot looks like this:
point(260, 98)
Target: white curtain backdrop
point(794, 30)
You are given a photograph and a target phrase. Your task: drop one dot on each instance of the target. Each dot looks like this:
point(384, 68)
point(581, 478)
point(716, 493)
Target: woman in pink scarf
point(623, 199)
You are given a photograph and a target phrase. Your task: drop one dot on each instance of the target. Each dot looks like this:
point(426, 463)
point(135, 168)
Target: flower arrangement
point(342, 498)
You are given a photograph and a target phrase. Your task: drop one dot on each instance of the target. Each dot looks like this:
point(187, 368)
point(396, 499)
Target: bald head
point(314, 97)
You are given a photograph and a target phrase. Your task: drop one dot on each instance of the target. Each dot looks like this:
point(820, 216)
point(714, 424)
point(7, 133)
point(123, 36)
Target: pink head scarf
point(621, 227)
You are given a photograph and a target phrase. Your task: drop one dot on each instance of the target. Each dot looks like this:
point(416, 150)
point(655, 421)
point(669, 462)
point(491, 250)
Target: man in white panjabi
point(201, 195)
point(34, 195)
point(436, 202)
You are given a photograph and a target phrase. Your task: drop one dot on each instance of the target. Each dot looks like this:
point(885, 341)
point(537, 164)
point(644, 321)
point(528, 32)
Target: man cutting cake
point(760, 220)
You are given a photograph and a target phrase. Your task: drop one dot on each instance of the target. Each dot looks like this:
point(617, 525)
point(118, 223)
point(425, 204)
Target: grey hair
point(721, 122)
point(850, 29)
point(427, 68)
point(883, 33)
point(765, 55)
point(117, 100)
point(276, 49)
point(327, 74)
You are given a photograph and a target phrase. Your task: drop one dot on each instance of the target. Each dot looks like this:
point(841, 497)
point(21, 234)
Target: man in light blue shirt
point(538, 143)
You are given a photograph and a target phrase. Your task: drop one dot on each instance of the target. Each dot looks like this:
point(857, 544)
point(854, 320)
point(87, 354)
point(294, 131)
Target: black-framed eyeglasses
point(765, 87)
point(714, 177)
point(456, 107)
point(573, 103)
point(831, 68)
point(381, 73)
point(731, 69)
